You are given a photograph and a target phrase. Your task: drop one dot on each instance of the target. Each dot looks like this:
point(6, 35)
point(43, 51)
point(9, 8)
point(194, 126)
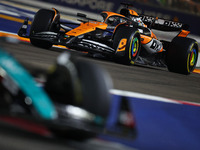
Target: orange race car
point(125, 37)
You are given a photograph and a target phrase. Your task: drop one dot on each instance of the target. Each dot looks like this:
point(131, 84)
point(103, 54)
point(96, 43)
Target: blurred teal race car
point(73, 102)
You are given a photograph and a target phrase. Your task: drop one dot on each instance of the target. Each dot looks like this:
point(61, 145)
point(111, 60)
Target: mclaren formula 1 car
point(125, 37)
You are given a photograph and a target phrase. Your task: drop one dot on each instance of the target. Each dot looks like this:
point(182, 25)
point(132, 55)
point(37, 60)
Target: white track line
point(150, 97)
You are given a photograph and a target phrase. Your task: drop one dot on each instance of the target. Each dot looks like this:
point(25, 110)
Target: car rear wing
point(162, 24)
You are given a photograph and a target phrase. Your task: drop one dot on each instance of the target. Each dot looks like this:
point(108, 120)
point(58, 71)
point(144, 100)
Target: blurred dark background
point(189, 6)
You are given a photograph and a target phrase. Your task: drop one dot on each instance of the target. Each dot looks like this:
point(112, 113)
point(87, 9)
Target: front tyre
point(182, 55)
point(44, 20)
point(126, 41)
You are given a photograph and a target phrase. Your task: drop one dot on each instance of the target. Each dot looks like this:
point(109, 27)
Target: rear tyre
point(43, 21)
point(182, 55)
point(126, 41)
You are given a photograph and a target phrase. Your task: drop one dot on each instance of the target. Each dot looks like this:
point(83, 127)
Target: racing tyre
point(43, 21)
point(84, 85)
point(182, 55)
point(126, 41)
point(81, 84)
point(95, 84)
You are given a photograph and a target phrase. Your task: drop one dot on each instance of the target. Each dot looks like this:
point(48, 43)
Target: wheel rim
point(192, 59)
point(193, 56)
point(134, 47)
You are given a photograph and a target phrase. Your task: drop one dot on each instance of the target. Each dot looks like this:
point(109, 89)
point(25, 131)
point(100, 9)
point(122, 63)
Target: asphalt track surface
point(136, 78)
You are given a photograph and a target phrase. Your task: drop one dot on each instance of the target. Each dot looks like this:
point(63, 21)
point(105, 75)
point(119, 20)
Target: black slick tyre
point(42, 22)
point(83, 84)
point(95, 84)
point(182, 55)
